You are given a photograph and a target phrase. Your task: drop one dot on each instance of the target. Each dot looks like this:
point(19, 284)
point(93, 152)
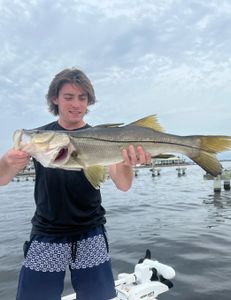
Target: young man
point(68, 224)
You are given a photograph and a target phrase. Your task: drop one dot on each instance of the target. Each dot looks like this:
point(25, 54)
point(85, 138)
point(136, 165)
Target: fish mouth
point(62, 155)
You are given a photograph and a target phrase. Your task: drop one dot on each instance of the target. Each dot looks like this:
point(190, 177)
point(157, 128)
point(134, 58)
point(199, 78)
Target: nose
point(76, 102)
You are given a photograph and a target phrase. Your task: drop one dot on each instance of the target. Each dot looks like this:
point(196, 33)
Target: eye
point(83, 97)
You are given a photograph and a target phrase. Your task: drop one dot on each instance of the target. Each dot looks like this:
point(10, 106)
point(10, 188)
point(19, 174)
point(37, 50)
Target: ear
point(55, 100)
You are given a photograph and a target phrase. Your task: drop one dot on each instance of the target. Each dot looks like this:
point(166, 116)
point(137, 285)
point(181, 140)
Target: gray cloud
point(167, 57)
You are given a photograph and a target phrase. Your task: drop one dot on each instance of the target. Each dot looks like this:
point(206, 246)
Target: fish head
point(50, 148)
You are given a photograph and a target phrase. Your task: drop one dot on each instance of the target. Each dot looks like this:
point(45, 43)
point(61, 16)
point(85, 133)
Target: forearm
point(6, 173)
point(122, 173)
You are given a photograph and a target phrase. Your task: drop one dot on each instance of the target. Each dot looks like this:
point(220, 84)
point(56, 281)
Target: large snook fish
point(95, 148)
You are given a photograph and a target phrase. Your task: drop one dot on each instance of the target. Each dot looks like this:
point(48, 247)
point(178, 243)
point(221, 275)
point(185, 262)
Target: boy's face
point(72, 102)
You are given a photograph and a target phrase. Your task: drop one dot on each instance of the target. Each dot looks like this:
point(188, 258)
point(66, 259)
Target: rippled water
point(179, 219)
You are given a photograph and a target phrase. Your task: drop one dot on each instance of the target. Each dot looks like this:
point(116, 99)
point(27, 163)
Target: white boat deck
point(69, 297)
point(149, 280)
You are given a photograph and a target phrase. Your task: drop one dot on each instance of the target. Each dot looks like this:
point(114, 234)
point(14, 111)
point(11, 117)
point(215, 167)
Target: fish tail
point(210, 146)
point(215, 143)
point(209, 163)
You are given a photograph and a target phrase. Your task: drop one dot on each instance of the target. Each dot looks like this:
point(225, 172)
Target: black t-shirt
point(66, 203)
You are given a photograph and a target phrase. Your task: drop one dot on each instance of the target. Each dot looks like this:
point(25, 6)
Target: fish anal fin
point(96, 175)
point(149, 122)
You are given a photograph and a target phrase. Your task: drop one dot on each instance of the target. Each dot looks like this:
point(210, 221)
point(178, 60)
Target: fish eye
point(74, 154)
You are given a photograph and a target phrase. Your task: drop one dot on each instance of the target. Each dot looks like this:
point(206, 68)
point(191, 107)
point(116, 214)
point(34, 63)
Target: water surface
point(179, 219)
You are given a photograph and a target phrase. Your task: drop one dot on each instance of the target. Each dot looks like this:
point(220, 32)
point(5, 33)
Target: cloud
point(170, 57)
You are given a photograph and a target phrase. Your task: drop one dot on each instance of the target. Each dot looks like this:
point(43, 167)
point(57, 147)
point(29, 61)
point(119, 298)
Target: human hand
point(135, 156)
point(16, 159)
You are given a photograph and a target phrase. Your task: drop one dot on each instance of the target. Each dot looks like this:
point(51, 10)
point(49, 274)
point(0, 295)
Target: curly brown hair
point(73, 76)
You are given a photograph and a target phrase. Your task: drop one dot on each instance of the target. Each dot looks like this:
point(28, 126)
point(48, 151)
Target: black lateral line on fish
point(142, 142)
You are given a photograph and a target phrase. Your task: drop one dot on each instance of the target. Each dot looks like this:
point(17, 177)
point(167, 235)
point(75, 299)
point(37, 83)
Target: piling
point(227, 185)
point(155, 172)
point(225, 176)
point(181, 171)
point(217, 184)
point(136, 173)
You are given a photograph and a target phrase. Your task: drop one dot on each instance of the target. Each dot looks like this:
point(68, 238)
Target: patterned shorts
point(47, 258)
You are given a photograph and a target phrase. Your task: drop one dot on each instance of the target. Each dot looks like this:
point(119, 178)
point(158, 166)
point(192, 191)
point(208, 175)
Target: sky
point(165, 57)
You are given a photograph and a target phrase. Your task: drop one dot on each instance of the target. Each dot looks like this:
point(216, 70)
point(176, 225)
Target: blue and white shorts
point(47, 258)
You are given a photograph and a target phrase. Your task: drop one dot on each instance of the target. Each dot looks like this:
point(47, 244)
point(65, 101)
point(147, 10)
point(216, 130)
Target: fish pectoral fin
point(149, 122)
point(96, 175)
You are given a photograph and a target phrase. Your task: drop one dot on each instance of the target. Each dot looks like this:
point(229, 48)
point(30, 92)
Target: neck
point(71, 126)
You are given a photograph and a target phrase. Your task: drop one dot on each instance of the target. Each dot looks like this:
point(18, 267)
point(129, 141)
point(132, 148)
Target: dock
point(28, 174)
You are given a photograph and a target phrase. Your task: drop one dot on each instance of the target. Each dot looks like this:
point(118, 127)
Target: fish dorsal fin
point(149, 122)
point(109, 125)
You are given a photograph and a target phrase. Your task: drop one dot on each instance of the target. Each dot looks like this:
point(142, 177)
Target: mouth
point(75, 113)
point(62, 155)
